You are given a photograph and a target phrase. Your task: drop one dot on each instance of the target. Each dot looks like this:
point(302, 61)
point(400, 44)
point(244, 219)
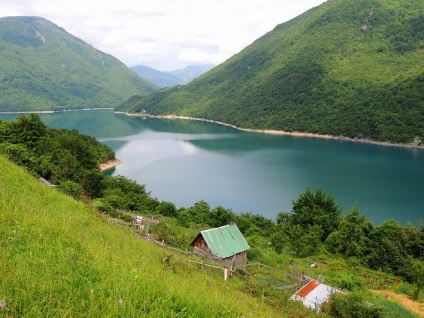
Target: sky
point(164, 34)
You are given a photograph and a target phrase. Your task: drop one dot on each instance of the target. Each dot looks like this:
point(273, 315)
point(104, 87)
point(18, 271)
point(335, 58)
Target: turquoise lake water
point(187, 161)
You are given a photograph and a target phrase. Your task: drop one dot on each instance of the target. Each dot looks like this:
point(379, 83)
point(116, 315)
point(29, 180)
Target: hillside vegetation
point(344, 68)
point(61, 258)
point(42, 67)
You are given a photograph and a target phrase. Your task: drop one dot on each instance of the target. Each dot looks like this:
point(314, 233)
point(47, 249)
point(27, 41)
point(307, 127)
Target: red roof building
point(314, 294)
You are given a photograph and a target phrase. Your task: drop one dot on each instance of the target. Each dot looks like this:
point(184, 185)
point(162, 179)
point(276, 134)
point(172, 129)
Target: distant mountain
point(191, 72)
point(43, 67)
point(171, 78)
point(344, 68)
point(159, 78)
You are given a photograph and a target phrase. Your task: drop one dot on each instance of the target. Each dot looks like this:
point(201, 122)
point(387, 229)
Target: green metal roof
point(225, 241)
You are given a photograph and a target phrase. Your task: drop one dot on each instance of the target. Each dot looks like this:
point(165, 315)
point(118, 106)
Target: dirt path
point(413, 306)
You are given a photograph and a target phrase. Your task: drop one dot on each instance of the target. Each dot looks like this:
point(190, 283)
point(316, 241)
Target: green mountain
point(159, 78)
point(171, 78)
point(344, 68)
point(190, 72)
point(42, 67)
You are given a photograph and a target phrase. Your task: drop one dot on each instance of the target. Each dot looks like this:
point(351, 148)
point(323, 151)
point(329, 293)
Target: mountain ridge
point(43, 67)
point(342, 69)
point(171, 78)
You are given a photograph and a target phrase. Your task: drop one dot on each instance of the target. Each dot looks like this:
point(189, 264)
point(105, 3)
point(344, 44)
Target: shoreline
point(109, 164)
point(281, 132)
point(53, 111)
point(263, 131)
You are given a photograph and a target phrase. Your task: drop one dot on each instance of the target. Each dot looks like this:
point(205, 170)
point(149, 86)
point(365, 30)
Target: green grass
point(61, 258)
point(393, 309)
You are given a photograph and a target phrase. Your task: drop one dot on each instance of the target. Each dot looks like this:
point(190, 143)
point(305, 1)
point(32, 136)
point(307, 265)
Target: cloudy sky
point(164, 34)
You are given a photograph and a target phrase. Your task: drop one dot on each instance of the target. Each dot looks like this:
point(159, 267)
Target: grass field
point(61, 258)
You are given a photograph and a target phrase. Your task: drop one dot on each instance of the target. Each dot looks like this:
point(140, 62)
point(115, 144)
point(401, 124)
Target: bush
point(352, 306)
point(167, 209)
point(71, 188)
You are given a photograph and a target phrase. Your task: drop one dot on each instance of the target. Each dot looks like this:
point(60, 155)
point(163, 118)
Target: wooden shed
point(224, 245)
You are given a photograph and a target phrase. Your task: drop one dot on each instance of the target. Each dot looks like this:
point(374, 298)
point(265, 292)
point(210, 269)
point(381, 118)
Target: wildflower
point(2, 303)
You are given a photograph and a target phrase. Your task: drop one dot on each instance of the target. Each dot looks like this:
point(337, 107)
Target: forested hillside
point(345, 68)
point(57, 252)
point(42, 67)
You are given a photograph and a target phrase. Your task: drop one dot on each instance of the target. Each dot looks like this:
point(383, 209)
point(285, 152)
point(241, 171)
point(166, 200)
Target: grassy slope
point(43, 67)
point(62, 259)
point(352, 68)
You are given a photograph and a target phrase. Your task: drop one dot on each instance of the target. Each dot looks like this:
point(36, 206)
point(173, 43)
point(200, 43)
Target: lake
point(184, 161)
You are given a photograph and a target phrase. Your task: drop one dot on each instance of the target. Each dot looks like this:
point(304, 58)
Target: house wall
point(237, 261)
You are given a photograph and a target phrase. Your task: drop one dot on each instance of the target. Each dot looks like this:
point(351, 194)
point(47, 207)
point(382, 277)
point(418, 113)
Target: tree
point(414, 240)
point(220, 216)
point(167, 209)
point(92, 183)
point(283, 218)
point(29, 129)
point(386, 247)
point(413, 271)
point(316, 208)
point(16, 153)
point(197, 215)
point(125, 184)
point(352, 237)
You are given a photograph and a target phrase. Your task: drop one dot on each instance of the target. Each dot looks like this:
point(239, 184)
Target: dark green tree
point(413, 271)
point(352, 237)
point(386, 250)
point(16, 153)
point(166, 208)
point(195, 216)
point(28, 129)
point(316, 209)
point(220, 216)
point(92, 183)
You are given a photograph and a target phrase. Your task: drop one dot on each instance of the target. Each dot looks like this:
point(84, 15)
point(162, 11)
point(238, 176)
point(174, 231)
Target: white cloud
point(164, 34)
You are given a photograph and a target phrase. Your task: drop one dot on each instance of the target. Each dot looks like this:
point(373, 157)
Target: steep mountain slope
point(43, 67)
point(351, 68)
point(171, 78)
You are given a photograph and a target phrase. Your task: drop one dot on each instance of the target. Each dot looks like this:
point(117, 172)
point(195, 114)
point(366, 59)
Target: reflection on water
point(187, 161)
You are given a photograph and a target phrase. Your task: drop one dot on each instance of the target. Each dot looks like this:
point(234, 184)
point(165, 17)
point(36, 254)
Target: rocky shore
point(109, 164)
point(418, 145)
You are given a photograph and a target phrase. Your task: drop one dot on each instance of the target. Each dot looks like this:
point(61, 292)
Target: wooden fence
point(282, 276)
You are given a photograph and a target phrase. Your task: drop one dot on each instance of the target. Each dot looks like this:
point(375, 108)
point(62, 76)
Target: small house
point(224, 245)
point(314, 294)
